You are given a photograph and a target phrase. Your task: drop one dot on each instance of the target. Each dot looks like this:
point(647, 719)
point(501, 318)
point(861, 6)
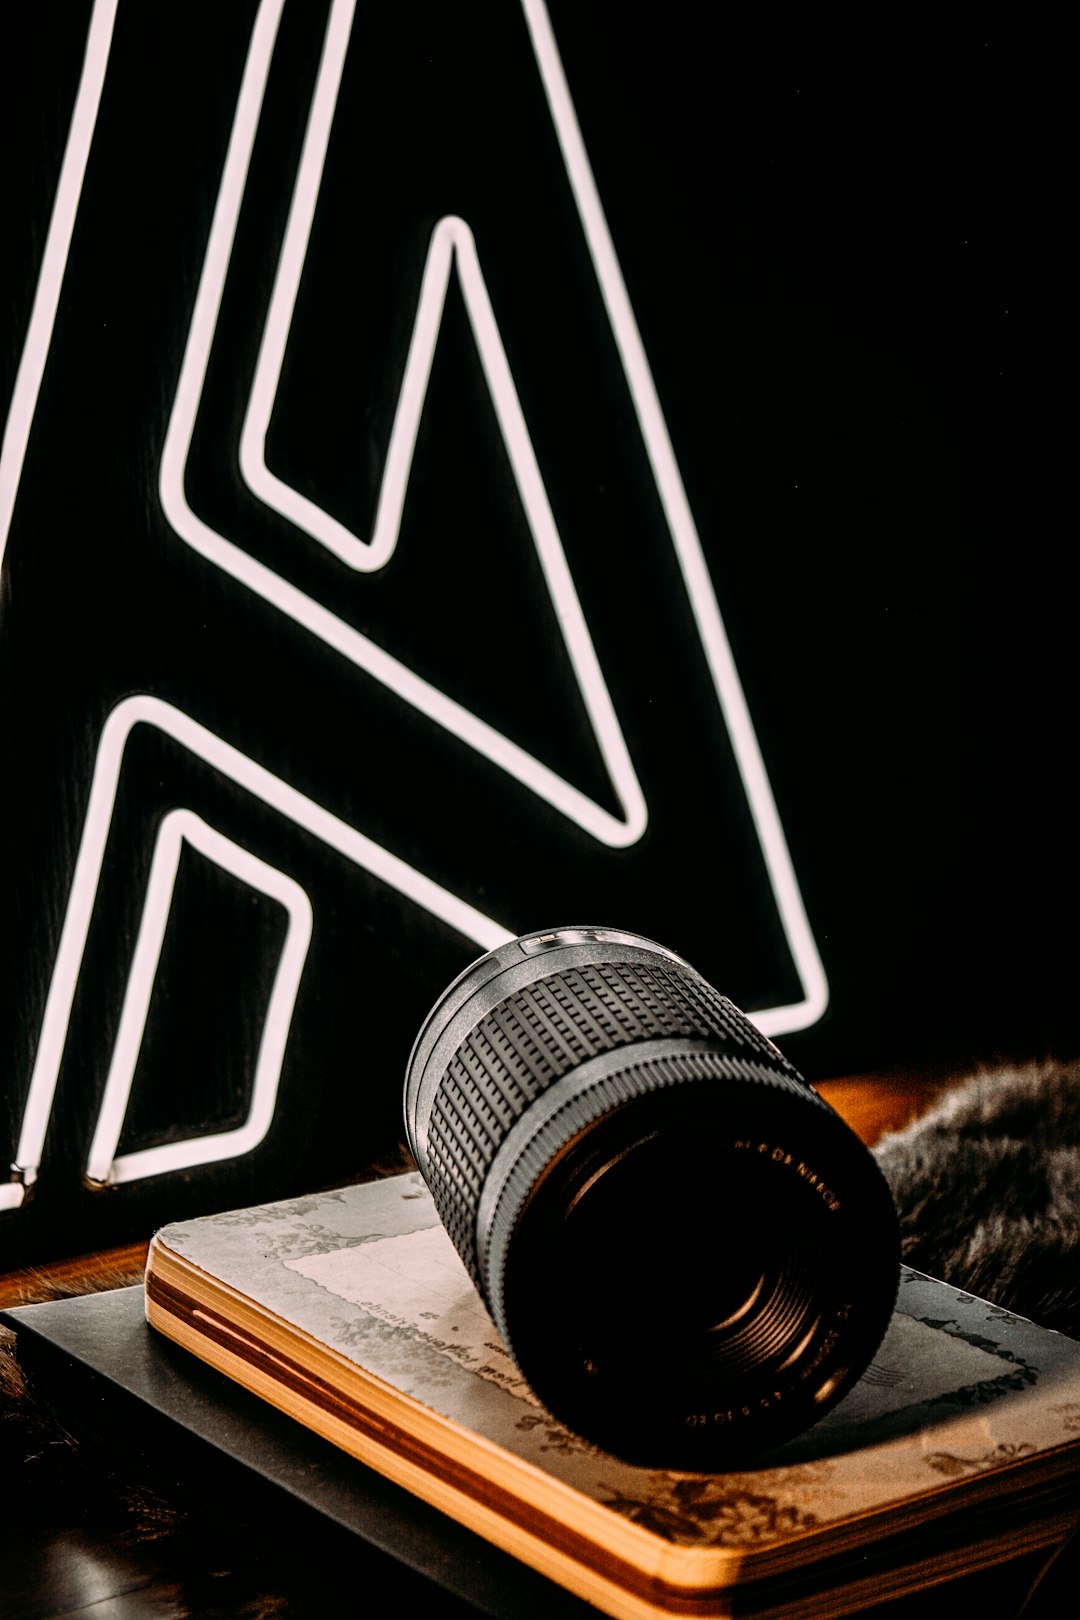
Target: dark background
point(844, 251)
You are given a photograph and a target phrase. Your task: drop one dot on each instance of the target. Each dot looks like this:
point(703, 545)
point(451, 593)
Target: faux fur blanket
point(988, 1189)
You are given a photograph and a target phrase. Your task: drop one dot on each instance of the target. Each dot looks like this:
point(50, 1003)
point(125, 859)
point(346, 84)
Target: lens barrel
point(687, 1252)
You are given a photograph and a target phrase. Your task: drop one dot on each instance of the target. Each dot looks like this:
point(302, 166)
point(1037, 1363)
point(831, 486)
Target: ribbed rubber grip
point(536, 1035)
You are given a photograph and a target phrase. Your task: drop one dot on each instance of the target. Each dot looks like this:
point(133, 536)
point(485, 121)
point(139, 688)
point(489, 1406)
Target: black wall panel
point(471, 468)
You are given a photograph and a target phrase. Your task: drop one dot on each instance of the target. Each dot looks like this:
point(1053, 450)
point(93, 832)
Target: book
point(351, 1312)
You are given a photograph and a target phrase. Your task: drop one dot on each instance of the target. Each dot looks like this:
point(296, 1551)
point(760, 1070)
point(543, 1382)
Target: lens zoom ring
point(536, 1035)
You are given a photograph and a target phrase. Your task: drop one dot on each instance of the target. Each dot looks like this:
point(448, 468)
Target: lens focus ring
point(575, 1102)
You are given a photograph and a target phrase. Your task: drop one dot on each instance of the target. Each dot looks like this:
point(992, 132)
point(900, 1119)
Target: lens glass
point(682, 1275)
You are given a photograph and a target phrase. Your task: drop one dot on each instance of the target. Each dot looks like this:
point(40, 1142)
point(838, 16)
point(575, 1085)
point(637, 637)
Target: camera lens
point(686, 1251)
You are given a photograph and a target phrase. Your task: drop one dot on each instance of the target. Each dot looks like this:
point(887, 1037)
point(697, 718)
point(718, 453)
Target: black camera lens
point(687, 1252)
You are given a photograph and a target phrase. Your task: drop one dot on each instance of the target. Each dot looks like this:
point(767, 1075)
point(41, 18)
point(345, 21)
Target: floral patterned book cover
point(351, 1310)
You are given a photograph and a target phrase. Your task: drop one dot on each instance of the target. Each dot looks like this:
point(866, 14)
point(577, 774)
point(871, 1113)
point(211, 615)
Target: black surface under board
point(95, 1360)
